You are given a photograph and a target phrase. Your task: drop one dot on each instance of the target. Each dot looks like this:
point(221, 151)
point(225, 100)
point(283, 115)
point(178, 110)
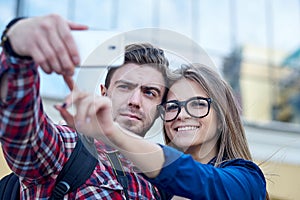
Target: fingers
point(88, 106)
point(48, 40)
point(76, 26)
point(69, 41)
point(93, 115)
point(69, 81)
point(46, 50)
point(61, 60)
point(67, 49)
point(66, 115)
point(79, 121)
point(95, 111)
point(93, 118)
point(78, 99)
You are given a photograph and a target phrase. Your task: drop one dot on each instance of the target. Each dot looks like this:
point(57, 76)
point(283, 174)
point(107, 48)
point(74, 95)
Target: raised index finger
point(69, 81)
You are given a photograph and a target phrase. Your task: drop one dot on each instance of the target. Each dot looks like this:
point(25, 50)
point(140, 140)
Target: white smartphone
point(99, 48)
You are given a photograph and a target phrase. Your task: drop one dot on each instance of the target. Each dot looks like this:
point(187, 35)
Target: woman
point(202, 121)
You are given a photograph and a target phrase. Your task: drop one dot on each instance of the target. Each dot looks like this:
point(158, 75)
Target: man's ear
point(103, 90)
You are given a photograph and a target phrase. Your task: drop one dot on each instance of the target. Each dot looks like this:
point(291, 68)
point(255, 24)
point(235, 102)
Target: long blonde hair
point(232, 142)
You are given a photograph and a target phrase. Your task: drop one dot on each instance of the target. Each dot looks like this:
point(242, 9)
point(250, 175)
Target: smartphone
point(99, 48)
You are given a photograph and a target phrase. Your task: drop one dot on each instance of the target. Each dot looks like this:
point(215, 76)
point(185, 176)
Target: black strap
point(5, 43)
point(77, 170)
point(119, 172)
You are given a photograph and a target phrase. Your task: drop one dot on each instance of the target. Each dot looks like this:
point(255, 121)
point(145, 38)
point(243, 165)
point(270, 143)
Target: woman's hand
point(93, 114)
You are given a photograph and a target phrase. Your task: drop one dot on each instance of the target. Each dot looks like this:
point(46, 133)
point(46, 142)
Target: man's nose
point(135, 99)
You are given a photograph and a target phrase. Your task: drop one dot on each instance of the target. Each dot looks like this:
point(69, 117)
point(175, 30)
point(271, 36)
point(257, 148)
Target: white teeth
point(187, 128)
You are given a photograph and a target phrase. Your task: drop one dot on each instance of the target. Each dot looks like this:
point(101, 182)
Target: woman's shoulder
point(238, 162)
point(244, 167)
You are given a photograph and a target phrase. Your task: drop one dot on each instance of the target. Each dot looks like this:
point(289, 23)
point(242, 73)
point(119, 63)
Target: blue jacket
point(234, 179)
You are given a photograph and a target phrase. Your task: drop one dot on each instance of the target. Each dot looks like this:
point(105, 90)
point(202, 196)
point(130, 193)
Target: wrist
point(5, 42)
point(123, 137)
point(115, 134)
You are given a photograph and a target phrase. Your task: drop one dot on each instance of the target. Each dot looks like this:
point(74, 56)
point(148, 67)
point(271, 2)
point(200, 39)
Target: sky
point(212, 27)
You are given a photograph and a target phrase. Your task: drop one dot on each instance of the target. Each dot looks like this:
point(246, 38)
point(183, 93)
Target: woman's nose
point(183, 114)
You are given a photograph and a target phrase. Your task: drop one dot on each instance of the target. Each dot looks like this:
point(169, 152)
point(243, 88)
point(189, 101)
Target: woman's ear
point(103, 90)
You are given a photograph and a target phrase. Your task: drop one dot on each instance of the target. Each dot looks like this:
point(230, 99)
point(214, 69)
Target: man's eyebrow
point(143, 87)
point(126, 82)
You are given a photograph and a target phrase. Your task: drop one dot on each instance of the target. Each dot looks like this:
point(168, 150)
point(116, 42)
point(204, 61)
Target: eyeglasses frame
point(184, 104)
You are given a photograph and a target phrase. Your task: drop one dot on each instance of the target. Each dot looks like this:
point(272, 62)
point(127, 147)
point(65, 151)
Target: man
point(35, 148)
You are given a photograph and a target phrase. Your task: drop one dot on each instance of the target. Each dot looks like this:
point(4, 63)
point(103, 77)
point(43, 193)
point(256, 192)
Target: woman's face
point(192, 135)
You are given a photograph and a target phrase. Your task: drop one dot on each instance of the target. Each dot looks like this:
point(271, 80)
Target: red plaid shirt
point(36, 149)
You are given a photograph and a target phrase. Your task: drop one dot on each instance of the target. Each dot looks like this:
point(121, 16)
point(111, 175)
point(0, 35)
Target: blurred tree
point(231, 70)
point(288, 107)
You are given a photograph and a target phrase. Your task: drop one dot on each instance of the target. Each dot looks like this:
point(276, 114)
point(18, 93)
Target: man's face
point(135, 91)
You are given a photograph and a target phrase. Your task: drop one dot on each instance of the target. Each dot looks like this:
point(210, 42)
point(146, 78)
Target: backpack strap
point(119, 171)
point(10, 187)
point(74, 173)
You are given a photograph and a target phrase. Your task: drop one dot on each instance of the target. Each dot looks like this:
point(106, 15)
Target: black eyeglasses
point(196, 107)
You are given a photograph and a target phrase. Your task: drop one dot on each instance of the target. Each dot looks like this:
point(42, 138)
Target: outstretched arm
point(48, 41)
point(32, 144)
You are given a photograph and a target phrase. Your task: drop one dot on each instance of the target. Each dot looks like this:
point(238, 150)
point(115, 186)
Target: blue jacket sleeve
point(235, 179)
